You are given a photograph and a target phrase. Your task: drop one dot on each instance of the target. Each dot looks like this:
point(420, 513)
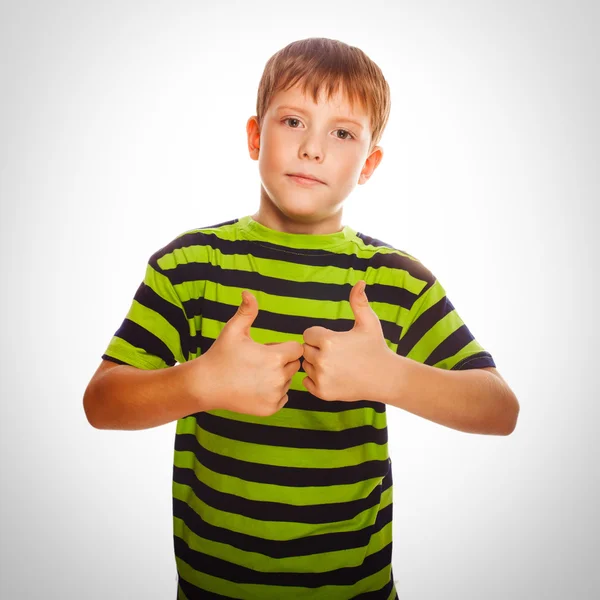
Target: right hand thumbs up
point(248, 377)
point(243, 318)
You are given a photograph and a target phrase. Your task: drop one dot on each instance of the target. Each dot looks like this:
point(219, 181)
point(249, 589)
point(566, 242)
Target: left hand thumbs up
point(343, 365)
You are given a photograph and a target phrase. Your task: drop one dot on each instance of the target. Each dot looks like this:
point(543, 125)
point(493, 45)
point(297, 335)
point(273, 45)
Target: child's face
point(299, 135)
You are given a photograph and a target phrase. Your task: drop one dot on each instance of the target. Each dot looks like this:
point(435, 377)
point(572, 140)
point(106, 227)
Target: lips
point(305, 176)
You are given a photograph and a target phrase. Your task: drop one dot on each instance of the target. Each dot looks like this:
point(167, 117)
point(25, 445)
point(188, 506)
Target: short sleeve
point(155, 333)
point(434, 334)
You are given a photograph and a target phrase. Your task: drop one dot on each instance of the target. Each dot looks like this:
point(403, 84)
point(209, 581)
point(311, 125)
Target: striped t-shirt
point(298, 504)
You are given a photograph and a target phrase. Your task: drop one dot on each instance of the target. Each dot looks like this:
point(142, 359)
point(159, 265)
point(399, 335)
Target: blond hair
point(318, 61)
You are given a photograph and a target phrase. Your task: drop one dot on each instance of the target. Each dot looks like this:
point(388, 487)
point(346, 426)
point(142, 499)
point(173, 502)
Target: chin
point(296, 210)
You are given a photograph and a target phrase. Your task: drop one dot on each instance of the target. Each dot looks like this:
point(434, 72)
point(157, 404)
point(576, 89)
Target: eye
point(291, 119)
point(347, 136)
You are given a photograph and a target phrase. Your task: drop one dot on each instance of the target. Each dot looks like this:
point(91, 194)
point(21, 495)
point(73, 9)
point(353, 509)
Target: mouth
point(304, 180)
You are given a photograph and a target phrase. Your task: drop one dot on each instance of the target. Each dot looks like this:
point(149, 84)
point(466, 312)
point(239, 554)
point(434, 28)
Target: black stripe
point(290, 437)
point(142, 338)
point(304, 400)
point(306, 546)
point(277, 511)
point(453, 344)
point(146, 296)
point(423, 324)
point(193, 592)
point(311, 290)
point(282, 475)
point(382, 594)
point(238, 574)
point(115, 360)
point(476, 361)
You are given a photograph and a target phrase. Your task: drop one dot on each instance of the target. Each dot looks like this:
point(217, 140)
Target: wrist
point(389, 378)
point(194, 381)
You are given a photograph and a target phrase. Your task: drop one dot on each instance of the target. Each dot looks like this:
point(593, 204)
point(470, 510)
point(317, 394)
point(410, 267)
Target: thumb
point(246, 313)
point(363, 313)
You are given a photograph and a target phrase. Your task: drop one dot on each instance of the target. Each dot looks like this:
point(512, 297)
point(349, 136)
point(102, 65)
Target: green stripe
point(123, 350)
point(180, 594)
point(282, 456)
point(294, 496)
point(155, 323)
point(320, 562)
point(268, 592)
point(312, 420)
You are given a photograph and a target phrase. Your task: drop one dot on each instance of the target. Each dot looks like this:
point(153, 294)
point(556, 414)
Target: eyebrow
point(296, 109)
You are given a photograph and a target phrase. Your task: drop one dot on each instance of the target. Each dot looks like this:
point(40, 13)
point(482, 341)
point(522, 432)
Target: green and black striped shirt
point(298, 504)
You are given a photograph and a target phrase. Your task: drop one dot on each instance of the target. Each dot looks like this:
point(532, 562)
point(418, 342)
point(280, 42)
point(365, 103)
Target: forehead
point(339, 103)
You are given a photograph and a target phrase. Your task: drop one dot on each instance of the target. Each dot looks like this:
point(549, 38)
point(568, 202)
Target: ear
point(371, 164)
point(253, 133)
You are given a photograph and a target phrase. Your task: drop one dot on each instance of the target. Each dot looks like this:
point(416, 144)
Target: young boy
point(282, 482)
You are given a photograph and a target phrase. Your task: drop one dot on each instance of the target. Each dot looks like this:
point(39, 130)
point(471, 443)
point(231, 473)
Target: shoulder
point(191, 244)
point(377, 246)
point(385, 254)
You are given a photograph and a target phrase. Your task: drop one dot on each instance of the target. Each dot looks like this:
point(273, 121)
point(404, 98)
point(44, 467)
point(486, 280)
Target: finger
point(291, 368)
point(310, 345)
point(308, 368)
point(308, 384)
point(282, 402)
point(310, 353)
point(316, 335)
point(290, 351)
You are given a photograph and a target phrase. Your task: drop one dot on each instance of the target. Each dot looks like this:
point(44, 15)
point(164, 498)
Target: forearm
point(125, 397)
point(473, 401)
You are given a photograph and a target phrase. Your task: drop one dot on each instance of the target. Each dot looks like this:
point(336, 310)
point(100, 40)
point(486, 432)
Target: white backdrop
point(122, 124)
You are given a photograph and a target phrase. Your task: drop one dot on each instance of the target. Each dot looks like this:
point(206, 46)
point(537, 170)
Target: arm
point(473, 401)
point(125, 397)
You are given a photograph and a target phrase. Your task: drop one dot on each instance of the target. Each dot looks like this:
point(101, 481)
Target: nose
point(311, 148)
point(310, 155)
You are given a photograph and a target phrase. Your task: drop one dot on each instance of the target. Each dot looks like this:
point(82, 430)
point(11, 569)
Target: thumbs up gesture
point(245, 376)
point(345, 365)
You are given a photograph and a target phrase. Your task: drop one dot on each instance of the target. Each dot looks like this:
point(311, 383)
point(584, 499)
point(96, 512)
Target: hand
point(341, 365)
point(247, 377)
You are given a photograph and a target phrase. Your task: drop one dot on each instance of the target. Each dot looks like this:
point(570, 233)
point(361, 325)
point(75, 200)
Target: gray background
point(122, 124)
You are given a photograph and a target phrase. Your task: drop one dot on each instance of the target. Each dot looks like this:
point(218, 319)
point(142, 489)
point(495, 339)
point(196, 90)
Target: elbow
point(89, 408)
point(511, 414)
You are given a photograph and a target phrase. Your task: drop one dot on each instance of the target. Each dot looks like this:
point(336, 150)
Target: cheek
point(357, 164)
point(268, 153)
point(274, 148)
point(348, 168)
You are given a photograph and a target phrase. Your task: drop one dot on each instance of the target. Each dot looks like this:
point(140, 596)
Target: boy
point(282, 482)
